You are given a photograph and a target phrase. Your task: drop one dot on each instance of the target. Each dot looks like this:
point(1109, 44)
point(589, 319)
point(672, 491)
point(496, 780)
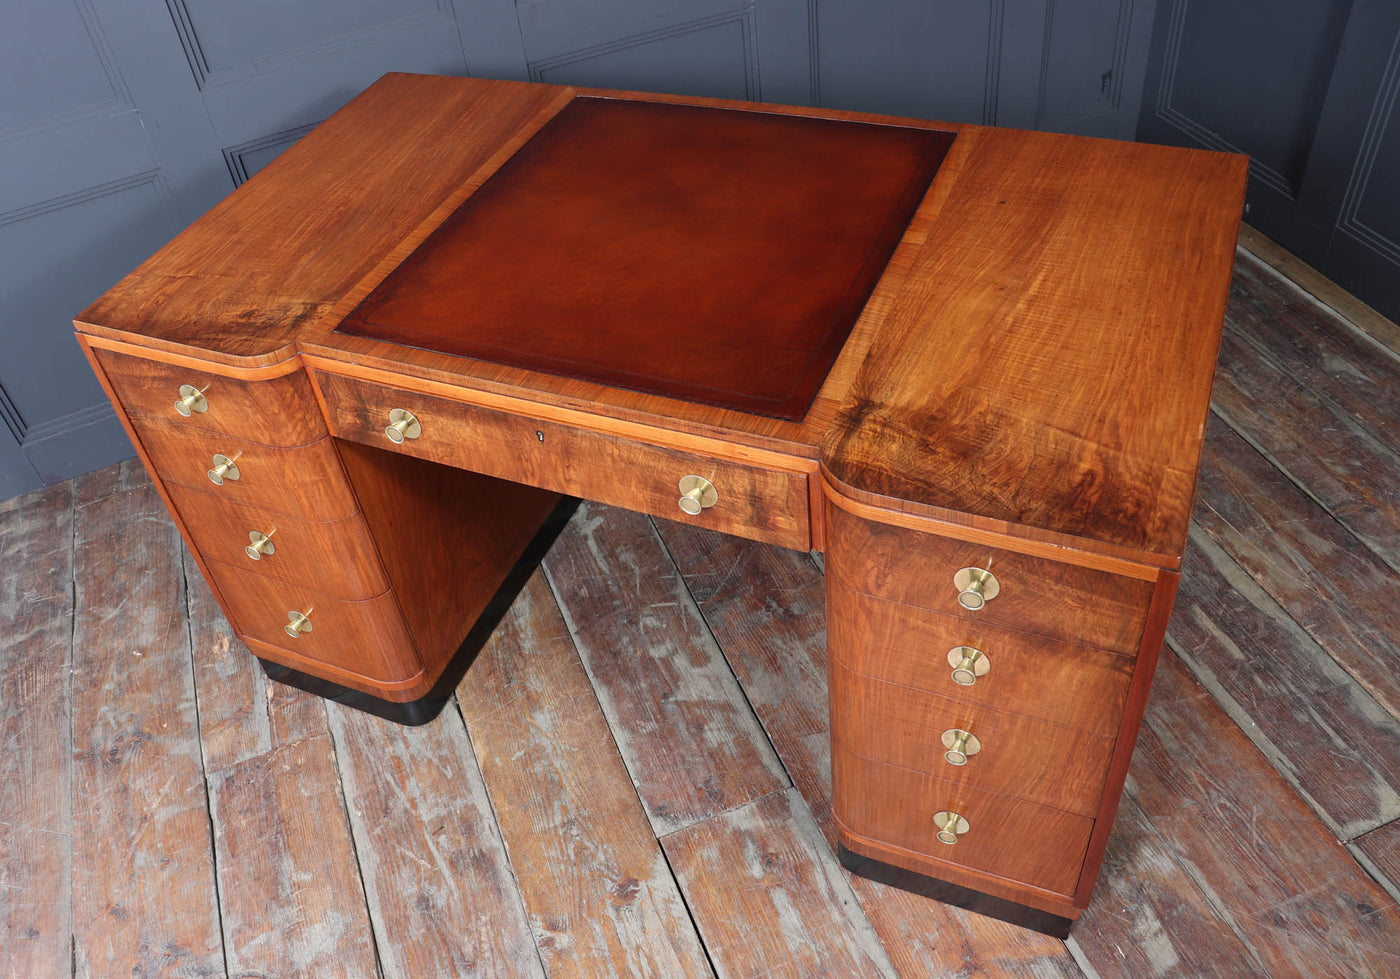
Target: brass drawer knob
point(976, 587)
point(403, 424)
point(260, 544)
point(961, 746)
point(191, 399)
point(968, 664)
point(950, 826)
point(297, 623)
point(224, 468)
point(697, 493)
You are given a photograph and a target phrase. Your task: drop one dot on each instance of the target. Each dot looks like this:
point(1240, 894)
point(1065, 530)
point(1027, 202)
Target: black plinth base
point(415, 712)
point(960, 897)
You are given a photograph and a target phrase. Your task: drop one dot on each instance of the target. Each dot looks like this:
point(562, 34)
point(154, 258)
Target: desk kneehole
point(769, 505)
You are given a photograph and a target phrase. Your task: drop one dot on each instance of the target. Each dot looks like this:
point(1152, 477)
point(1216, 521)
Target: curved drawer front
point(1010, 838)
point(275, 411)
point(306, 481)
point(365, 638)
point(1013, 755)
point(1071, 684)
point(338, 555)
point(1048, 598)
point(768, 505)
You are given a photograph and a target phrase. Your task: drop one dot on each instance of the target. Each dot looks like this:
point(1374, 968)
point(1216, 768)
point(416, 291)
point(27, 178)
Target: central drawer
point(769, 505)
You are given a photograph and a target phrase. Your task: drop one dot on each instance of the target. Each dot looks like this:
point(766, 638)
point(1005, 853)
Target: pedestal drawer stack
point(978, 700)
point(257, 484)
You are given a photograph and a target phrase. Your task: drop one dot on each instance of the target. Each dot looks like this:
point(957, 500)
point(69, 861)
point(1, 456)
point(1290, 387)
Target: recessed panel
point(711, 255)
point(229, 34)
point(48, 65)
point(709, 60)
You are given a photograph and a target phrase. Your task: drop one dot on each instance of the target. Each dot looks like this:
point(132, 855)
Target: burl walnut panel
point(763, 504)
point(1073, 684)
point(1044, 597)
point(1009, 838)
point(1022, 757)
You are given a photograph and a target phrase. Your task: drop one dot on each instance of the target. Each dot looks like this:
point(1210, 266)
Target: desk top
point(707, 255)
point(1035, 360)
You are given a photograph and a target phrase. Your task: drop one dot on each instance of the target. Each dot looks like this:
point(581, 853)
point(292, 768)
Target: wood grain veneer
point(365, 638)
point(709, 255)
point(305, 482)
point(1013, 839)
point(448, 539)
point(1026, 385)
point(1073, 684)
point(1038, 596)
point(1021, 757)
point(1049, 364)
point(286, 245)
point(762, 504)
point(338, 555)
point(277, 411)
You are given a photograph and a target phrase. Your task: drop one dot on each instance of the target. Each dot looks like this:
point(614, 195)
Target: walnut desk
point(970, 365)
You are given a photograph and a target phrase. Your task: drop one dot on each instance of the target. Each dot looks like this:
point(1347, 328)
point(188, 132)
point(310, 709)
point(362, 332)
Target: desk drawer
point(1048, 598)
point(306, 481)
point(1017, 756)
point(1072, 684)
point(366, 638)
point(276, 411)
point(768, 505)
point(1011, 838)
point(337, 555)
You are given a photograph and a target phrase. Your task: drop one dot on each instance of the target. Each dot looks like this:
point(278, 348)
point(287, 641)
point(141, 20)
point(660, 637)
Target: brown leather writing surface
point(713, 255)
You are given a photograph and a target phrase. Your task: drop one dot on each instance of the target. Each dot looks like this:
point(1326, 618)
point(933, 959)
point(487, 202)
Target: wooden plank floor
point(634, 777)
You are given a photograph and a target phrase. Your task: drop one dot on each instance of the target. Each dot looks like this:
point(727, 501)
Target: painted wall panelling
point(1308, 88)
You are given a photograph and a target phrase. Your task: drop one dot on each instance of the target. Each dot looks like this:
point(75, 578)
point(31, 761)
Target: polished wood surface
point(284, 248)
point(1021, 757)
point(274, 410)
point(1024, 390)
point(1025, 844)
point(708, 255)
point(365, 638)
point(1109, 239)
point(1073, 684)
point(338, 555)
point(447, 537)
point(305, 482)
point(764, 504)
point(1037, 596)
point(1048, 366)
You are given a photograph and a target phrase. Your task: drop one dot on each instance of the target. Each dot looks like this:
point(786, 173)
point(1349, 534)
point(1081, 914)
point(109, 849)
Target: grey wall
point(123, 120)
point(1309, 89)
